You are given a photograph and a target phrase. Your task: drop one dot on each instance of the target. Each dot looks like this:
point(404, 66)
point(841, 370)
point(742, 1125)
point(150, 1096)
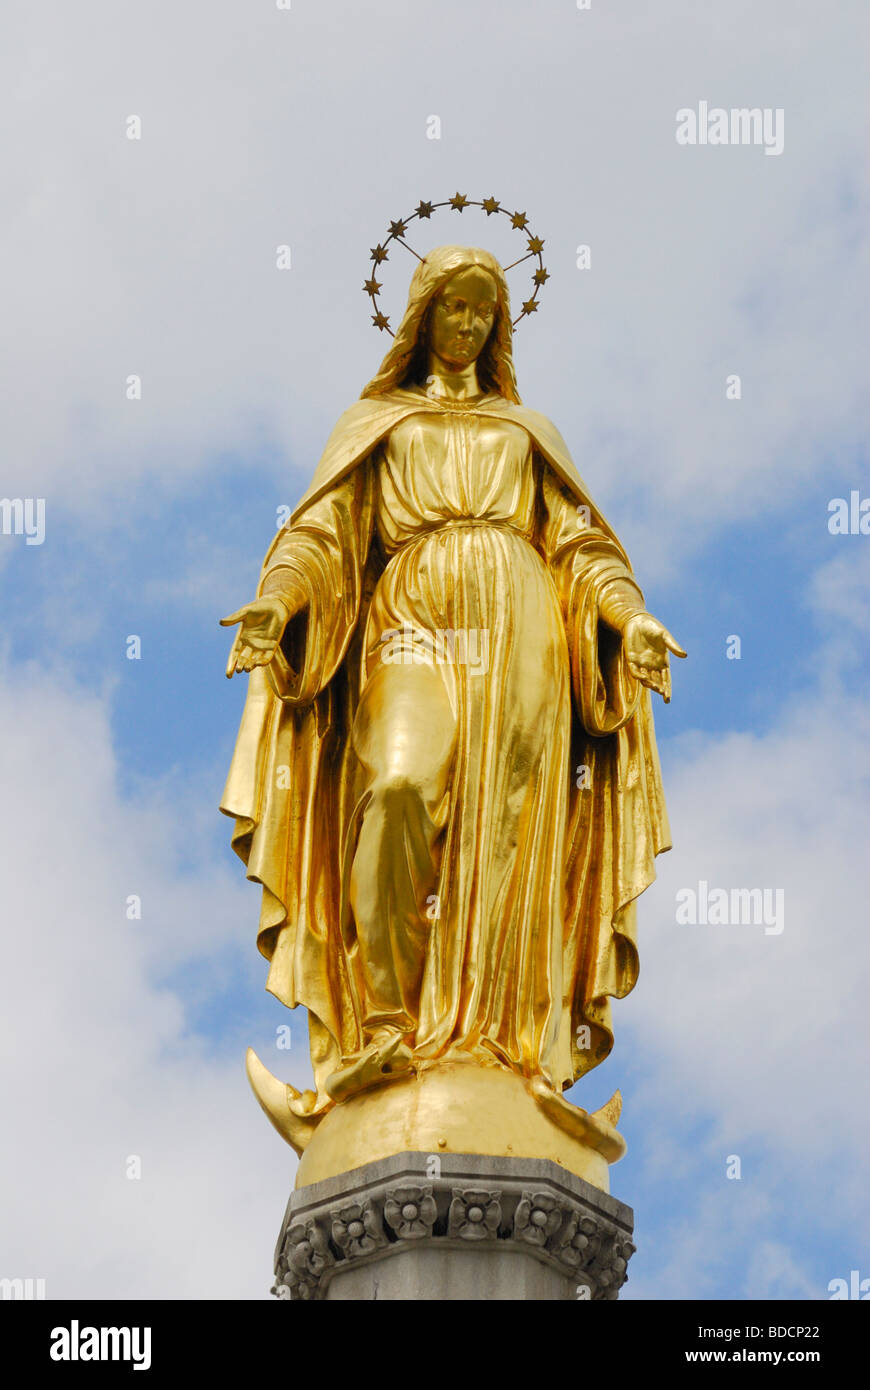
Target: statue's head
point(459, 308)
point(461, 316)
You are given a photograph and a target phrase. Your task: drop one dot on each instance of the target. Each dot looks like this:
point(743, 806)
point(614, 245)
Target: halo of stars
point(458, 203)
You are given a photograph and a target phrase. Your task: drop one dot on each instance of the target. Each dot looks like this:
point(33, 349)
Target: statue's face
point(462, 316)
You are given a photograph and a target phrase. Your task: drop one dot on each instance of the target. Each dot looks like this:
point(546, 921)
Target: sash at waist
point(462, 523)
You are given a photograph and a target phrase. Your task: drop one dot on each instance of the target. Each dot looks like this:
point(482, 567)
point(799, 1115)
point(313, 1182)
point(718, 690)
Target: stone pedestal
point(454, 1227)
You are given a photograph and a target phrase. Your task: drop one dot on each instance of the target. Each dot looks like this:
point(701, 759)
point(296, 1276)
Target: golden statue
point(446, 778)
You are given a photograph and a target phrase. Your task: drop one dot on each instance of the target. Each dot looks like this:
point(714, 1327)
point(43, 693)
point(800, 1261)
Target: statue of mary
point(446, 778)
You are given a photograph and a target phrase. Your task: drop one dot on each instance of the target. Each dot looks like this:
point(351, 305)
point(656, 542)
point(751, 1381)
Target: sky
point(310, 127)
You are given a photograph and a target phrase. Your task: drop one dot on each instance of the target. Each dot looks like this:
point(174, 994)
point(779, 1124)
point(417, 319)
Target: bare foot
point(597, 1130)
point(387, 1055)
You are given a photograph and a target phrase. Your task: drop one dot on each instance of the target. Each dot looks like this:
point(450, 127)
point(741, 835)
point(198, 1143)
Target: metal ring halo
point(458, 203)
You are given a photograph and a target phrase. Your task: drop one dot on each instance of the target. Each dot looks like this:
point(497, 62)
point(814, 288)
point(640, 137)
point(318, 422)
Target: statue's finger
point(231, 662)
point(233, 617)
point(646, 675)
point(672, 644)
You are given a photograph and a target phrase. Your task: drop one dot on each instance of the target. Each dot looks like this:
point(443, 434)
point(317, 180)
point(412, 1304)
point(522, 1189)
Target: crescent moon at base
point(275, 1097)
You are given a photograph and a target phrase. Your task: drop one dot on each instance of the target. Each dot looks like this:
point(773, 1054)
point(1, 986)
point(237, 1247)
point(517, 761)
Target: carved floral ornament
point(586, 1247)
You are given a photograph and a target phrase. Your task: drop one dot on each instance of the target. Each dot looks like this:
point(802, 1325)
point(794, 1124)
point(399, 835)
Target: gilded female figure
point(446, 778)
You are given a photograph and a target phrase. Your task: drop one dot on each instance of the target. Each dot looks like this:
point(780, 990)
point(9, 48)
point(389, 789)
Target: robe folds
point(427, 515)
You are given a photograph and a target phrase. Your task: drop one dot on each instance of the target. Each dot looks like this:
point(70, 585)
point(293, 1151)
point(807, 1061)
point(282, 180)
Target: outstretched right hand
point(263, 622)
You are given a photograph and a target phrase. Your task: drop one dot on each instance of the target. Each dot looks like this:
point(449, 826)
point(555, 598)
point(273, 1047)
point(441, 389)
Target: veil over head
point(405, 363)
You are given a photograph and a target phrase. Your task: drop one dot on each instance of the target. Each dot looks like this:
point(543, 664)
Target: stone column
point(453, 1227)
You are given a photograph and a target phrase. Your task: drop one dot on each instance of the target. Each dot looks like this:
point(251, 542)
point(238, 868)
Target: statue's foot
point(598, 1130)
point(567, 1116)
point(387, 1055)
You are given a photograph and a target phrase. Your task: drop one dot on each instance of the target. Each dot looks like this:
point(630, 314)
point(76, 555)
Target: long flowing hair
point(406, 362)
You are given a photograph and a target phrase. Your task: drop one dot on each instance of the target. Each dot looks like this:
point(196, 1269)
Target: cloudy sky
point(309, 127)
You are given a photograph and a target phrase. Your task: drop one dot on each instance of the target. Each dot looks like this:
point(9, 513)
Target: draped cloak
point(289, 784)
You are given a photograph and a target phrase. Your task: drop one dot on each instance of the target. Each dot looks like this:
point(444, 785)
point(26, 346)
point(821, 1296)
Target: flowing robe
point(466, 869)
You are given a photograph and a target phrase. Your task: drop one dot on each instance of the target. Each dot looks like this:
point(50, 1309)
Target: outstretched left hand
point(647, 642)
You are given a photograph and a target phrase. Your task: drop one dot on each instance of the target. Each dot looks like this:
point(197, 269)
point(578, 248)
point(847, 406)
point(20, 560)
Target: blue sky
point(158, 257)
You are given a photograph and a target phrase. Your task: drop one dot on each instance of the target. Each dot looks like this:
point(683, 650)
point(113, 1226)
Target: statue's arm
point(311, 587)
point(615, 644)
point(577, 548)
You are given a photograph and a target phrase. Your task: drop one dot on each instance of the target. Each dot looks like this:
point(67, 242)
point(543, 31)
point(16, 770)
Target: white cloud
point(102, 1057)
point(756, 1044)
point(157, 256)
point(840, 595)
